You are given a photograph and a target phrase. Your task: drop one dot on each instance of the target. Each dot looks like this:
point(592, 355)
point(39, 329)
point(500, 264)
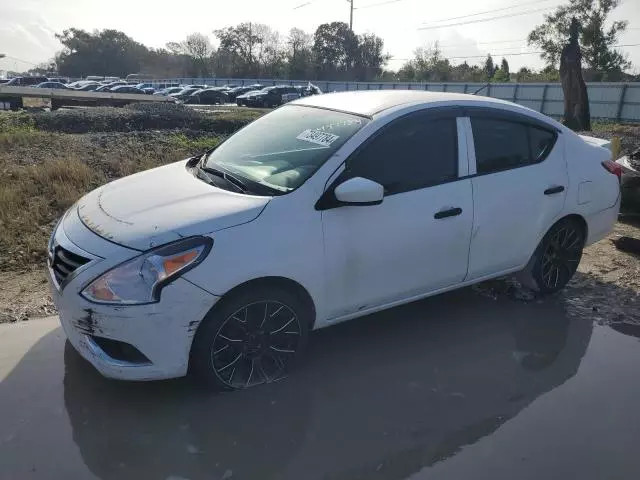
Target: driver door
point(417, 240)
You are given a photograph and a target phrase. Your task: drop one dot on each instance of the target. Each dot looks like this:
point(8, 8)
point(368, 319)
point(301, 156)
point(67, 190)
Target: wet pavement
point(453, 387)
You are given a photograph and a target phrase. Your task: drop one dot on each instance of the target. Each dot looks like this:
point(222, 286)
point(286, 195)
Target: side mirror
point(359, 191)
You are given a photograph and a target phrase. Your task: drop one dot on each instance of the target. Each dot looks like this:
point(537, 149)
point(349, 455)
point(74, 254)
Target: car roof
point(369, 103)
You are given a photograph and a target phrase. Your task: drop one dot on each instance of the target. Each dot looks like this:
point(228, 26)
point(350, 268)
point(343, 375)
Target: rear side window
point(414, 152)
point(542, 142)
point(503, 144)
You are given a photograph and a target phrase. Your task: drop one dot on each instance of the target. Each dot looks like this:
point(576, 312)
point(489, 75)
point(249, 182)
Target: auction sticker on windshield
point(318, 137)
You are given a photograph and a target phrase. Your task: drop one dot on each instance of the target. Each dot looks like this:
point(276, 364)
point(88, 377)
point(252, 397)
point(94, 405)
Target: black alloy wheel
point(558, 256)
point(253, 339)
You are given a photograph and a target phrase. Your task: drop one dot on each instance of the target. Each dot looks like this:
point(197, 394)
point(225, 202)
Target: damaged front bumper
point(132, 342)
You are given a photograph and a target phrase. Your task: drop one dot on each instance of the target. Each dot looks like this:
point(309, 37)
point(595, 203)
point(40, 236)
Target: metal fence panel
point(611, 101)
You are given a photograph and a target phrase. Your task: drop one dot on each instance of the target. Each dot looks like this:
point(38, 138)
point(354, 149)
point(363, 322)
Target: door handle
point(552, 190)
point(451, 212)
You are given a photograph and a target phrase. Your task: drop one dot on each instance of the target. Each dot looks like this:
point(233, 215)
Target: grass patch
point(31, 200)
point(200, 143)
point(42, 174)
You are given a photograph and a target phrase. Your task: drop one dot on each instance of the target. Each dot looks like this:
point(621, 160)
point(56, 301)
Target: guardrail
point(608, 101)
point(59, 97)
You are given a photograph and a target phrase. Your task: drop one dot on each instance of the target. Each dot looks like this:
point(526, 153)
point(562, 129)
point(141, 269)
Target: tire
point(556, 258)
point(255, 336)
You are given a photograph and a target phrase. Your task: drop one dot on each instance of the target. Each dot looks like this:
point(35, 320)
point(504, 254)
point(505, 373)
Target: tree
point(524, 74)
point(596, 41)
point(370, 58)
point(335, 48)
point(238, 48)
point(502, 74)
point(489, 67)
point(106, 52)
point(504, 66)
point(270, 52)
point(428, 65)
point(197, 47)
point(299, 54)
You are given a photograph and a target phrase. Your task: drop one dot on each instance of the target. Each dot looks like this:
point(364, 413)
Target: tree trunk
point(576, 99)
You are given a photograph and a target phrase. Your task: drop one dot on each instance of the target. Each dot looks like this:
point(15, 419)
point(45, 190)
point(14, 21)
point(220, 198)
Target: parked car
point(143, 86)
point(244, 98)
point(630, 181)
point(56, 85)
point(26, 81)
point(107, 87)
point(184, 93)
point(59, 79)
point(208, 96)
point(234, 92)
point(168, 91)
point(301, 91)
point(270, 96)
point(329, 208)
point(88, 87)
point(126, 89)
point(194, 86)
point(149, 90)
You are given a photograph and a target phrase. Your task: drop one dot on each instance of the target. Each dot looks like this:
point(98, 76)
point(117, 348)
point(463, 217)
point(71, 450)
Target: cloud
point(25, 36)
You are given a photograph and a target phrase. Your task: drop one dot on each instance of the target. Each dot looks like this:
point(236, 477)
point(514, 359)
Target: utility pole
point(351, 15)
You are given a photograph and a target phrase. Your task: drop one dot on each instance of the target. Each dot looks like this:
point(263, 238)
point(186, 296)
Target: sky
point(28, 27)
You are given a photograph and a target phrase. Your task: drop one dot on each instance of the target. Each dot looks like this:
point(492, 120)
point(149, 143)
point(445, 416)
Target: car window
point(499, 144)
point(504, 144)
point(414, 152)
point(541, 142)
point(285, 147)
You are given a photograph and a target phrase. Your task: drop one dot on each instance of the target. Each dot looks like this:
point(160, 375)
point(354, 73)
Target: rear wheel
point(556, 259)
point(254, 337)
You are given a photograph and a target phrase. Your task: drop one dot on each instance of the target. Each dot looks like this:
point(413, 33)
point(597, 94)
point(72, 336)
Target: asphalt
point(454, 387)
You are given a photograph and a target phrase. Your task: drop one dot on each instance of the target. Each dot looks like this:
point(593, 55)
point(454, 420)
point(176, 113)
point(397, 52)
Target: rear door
point(519, 188)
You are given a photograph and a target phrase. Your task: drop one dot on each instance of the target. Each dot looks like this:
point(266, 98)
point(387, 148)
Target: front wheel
point(556, 259)
point(253, 337)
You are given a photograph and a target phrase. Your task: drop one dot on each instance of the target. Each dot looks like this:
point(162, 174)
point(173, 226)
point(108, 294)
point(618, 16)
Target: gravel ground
point(606, 287)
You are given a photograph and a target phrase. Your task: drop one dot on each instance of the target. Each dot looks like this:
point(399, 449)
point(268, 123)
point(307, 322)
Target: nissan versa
point(329, 208)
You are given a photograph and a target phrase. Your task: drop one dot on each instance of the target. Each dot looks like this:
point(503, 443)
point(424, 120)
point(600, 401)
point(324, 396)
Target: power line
point(528, 12)
point(303, 4)
point(537, 2)
point(511, 54)
point(514, 40)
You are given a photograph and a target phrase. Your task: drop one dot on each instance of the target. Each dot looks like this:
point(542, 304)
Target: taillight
point(612, 167)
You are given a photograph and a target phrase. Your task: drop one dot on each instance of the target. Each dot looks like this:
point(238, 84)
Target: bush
point(138, 117)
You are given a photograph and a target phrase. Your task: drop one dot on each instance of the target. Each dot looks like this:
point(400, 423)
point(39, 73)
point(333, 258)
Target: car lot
point(462, 385)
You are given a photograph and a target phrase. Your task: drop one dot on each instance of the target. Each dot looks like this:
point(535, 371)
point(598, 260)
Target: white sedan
point(326, 209)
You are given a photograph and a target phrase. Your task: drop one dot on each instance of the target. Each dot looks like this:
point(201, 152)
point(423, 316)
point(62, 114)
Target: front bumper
point(162, 331)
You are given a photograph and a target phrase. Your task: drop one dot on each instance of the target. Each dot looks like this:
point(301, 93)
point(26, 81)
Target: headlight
point(139, 280)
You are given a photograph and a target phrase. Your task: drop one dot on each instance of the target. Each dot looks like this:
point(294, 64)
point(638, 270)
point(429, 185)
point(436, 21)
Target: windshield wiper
point(238, 184)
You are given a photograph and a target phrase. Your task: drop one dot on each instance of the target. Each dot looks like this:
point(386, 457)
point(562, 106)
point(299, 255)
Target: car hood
point(162, 205)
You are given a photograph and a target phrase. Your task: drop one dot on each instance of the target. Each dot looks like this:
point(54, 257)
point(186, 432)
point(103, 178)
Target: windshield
point(285, 147)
